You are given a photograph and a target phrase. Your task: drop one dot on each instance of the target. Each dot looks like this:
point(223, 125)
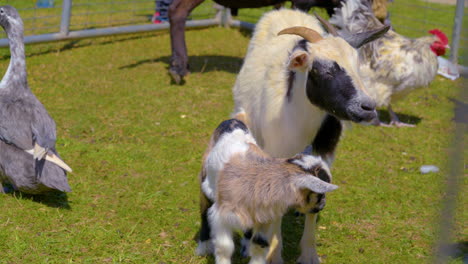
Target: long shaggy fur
point(281, 128)
point(393, 65)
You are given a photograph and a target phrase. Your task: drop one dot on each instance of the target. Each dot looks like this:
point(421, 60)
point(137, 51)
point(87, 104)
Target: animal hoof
point(6, 188)
point(204, 248)
point(175, 76)
point(304, 260)
point(280, 261)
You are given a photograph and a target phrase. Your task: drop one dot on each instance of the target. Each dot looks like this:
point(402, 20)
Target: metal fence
point(415, 18)
point(67, 19)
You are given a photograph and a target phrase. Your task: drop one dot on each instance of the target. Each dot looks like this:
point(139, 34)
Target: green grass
point(135, 142)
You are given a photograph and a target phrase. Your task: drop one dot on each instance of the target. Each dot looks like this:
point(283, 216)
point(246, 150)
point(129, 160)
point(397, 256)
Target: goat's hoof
point(308, 260)
point(6, 188)
point(176, 76)
point(312, 261)
point(278, 261)
point(204, 248)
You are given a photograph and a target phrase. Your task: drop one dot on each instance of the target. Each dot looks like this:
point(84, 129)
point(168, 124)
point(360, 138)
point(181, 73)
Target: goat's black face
point(331, 88)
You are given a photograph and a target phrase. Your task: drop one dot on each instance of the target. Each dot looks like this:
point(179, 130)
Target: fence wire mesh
point(414, 18)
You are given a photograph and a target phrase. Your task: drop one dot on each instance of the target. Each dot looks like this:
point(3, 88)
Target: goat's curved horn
point(307, 33)
point(329, 27)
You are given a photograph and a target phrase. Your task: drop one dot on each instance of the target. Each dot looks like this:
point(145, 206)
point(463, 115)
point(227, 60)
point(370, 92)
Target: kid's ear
point(299, 61)
point(314, 184)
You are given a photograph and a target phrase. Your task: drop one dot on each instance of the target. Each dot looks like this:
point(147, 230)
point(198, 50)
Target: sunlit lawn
point(135, 141)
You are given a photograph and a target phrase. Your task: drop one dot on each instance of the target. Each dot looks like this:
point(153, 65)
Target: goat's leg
point(308, 243)
point(205, 245)
point(245, 243)
point(276, 243)
point(178, 13)
point(1, 188)
point(260, 244)
point(222, 237)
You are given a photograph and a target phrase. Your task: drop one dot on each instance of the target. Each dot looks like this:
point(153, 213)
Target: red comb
point(443, 38)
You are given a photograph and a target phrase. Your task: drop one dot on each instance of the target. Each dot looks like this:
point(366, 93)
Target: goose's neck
point(16, 72)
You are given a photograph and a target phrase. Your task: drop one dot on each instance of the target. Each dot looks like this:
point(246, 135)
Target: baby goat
point(243, 188)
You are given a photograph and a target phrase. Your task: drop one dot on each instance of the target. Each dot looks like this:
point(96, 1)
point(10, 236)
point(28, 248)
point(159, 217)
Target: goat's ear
point(314, 184)
point(359, 39)
point(299, 60)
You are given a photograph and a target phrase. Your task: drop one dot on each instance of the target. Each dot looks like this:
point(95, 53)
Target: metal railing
point(415, 18)
point(93, 19)
point(75, 19)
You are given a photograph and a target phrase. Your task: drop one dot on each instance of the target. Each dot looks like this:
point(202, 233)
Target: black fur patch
point(319, 205)
point(320, 173)
point(248, 234)
point(291, 77)
point(302, 44)
point(328, 136)
point(228, 126)
point(330, 88)
point(260, 240)
point(205, 227)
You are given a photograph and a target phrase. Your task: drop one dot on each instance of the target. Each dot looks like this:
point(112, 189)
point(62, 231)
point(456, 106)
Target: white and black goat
point(296, 84)
point(243, 188)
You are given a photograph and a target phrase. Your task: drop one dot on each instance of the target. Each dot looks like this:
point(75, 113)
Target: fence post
point(457, 25)
point(226, 17)
point(66, 13)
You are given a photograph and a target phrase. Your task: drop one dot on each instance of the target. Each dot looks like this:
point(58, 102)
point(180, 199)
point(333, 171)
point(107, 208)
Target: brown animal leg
point(178, 12)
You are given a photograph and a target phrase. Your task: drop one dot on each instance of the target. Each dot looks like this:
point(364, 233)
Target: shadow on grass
point(81, 43)
point(410, 119)
point(198, 64)
point(54, 199)
point(459, 250)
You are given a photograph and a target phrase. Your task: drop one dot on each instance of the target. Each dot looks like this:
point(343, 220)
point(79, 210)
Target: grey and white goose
point(28, 159)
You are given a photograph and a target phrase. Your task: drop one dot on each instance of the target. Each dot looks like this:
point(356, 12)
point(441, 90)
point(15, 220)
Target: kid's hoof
point(204, 248)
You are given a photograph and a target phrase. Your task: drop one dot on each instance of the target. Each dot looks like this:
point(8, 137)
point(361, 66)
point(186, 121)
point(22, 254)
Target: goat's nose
point(368, 105)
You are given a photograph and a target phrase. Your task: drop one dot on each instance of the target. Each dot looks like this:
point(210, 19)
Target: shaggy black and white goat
point(296, 84)
point(248, 190)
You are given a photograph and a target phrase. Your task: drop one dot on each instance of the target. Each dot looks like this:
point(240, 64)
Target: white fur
point(223, 223)
point(222, 236)
point(282, 126)
point(227, 146)
point(204, 248)
point(308, 162)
